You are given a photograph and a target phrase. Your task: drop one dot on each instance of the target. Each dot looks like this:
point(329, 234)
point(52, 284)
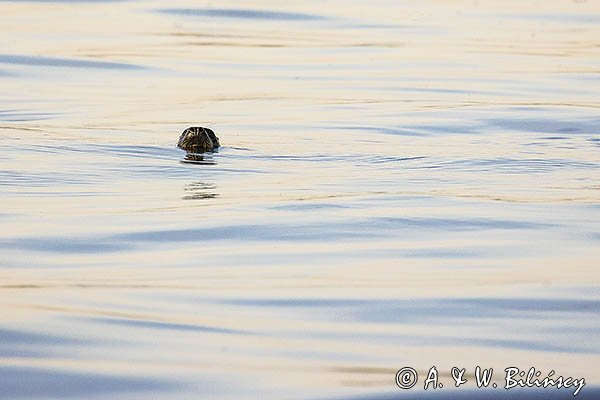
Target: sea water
point(401, 184)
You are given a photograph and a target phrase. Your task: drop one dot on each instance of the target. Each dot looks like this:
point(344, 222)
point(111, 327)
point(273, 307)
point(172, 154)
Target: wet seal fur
point(197, 139)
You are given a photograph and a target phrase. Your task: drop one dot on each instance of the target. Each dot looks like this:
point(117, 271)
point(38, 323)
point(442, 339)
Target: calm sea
point(401, 184)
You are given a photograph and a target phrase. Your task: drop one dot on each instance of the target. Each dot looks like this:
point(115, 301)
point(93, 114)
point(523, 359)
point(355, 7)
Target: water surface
point(401, 184)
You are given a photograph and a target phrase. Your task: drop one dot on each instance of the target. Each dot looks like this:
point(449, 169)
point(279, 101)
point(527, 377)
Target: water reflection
point(203, 159)
point(200, 191)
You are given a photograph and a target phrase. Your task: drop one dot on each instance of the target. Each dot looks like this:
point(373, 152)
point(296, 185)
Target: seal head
point(198, 140)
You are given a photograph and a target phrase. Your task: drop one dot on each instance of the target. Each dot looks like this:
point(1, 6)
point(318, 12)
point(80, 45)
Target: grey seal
point(197, 139)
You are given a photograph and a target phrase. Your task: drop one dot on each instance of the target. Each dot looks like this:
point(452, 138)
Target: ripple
point(24, 115)
point(29, 382)
point(18, 179)
point(484, 394)
point(565, 18)
point(380, 129)
point(136, 323)
point(486, 318)
point(19, 337)
point(241, 14)
point(40, 61)
point(19, 343)
point(63, 1)
point(516, 165)
point(405, 310)
point(547, 125)
point(357, 229)
point(64, 245)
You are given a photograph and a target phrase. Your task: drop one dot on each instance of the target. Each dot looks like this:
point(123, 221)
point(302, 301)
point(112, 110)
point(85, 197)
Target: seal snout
point(198, 140)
